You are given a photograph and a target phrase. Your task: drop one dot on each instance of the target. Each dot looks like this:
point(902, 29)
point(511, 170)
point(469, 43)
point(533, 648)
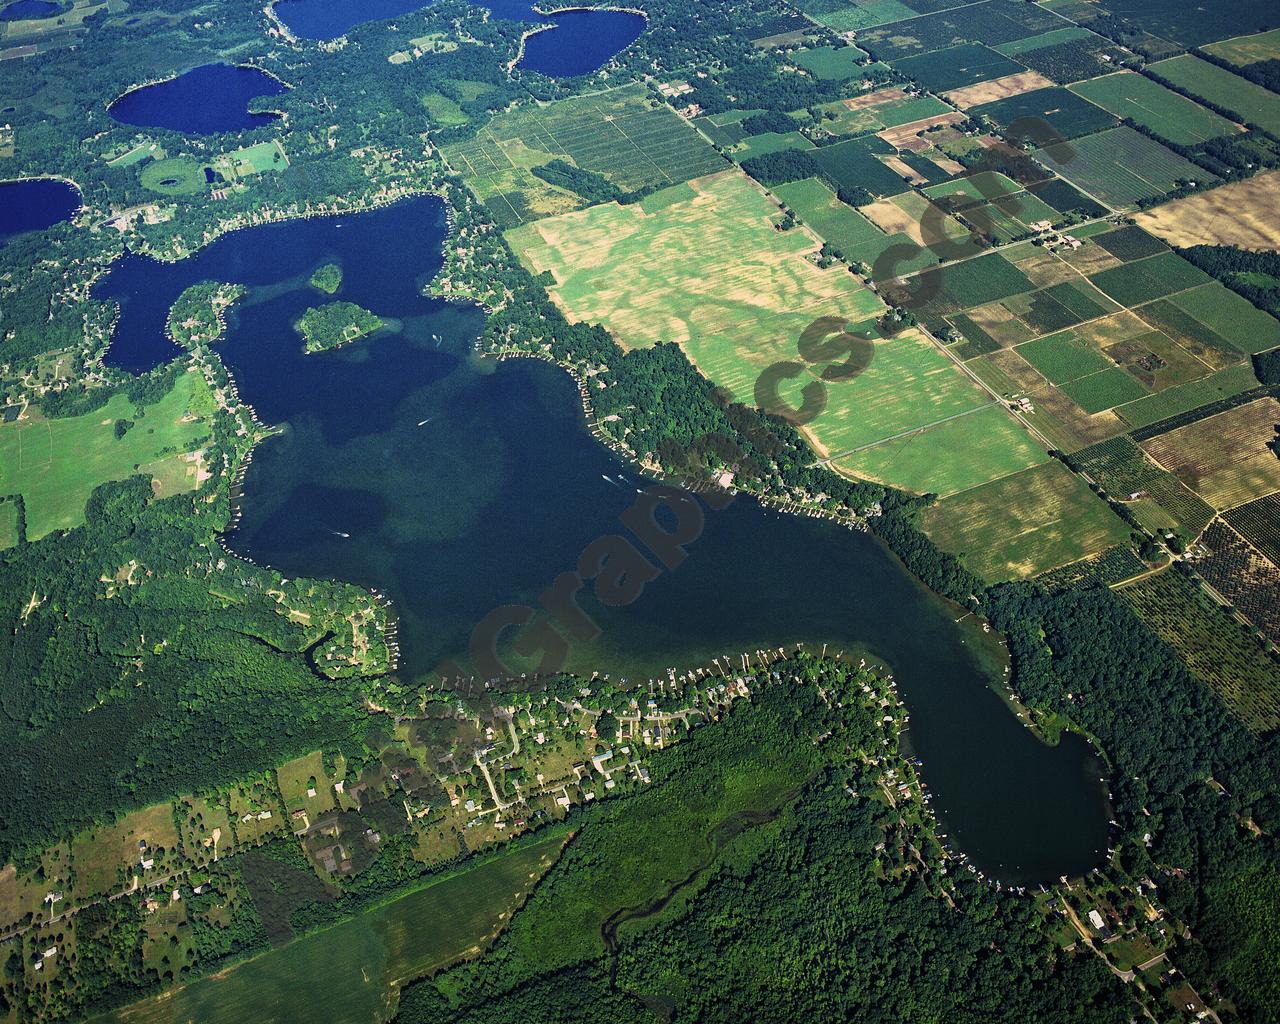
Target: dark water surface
point(577, 42)
point(35, 204)
point(203, 101)
point(30, 9)
point(457, 485)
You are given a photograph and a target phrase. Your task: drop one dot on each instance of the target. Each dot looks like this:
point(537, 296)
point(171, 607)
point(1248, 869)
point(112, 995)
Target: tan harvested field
point(999, 89)
point(1242, 213)
point(905, 136)
point(905, 214)
point(1224, 458)
point(874, 99)
point(910, 174)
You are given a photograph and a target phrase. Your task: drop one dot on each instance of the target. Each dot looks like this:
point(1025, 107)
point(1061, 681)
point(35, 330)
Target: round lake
point(457, 485)
point(203, 101)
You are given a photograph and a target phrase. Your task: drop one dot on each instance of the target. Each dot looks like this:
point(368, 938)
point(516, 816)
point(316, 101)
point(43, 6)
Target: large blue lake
point(35, 204)
point(30, 10)
point(457, 485)
point(203, 101)
point(577, 41)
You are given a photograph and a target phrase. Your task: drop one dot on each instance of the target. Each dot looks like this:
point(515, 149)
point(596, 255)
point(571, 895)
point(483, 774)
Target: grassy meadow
point(55, 464)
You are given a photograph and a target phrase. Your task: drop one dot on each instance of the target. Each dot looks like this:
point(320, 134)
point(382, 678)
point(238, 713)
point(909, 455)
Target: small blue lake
point(577, 41)
point(204, 101)
point(35, 204)
point(29, 10)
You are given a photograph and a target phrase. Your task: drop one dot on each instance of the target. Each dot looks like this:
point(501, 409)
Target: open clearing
point(1224, 458)
point(55, 464)
point(1241, 213)
point(632, 140)
point(1024, 524)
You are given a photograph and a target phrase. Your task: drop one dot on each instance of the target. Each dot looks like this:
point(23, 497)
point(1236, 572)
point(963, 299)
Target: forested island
point(334, 324)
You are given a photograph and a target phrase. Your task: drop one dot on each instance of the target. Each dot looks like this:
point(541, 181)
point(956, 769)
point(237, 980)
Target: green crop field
point(55, 464)
point(1252, 103)
point(1131, 284)
point(854, 164)
point(1259, 523)
point(1103, 390)
point(1068, 114)
point(1121, 166)
point(817, 206)
point(1185, 397)
point(662, 276)
point(961, 452)
point(1230, 316)
point(852, 16)
point(354, 968)
point(914, 108)
point(957, 66)
point(1214, 646)
point(623, 134)
point(769, 142)
point(1054, 37)
point(1171, 116)
point(1063, 357)
point(1024, 524)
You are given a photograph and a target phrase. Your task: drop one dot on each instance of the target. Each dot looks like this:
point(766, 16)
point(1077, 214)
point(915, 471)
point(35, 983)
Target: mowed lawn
point(711, 272)
point(55, 464)
point(1024, 524)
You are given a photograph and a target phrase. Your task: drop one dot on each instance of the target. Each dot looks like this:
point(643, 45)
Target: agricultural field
point(1239, 572)
point(1008, 87)
point(1247, 49)
point(1230, 316)
point(1259, 523)
point(1212, 643)
point(1122, 167)
point(634, 141)
point(961, 452)
point(56, 463)
point(1066, 113)
point(993, 22)
point(768, 142)
point(846, 17)
point(854, 164)
point(1144, 280)
point(1155, 497)
point(1239, 213)
point(913, 215)
point(1224, 458)
point(1170, 115)
point(957, 67)
point(1185, 397)
point(817, 206)
point(1024, 524)
point(1251, 103)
